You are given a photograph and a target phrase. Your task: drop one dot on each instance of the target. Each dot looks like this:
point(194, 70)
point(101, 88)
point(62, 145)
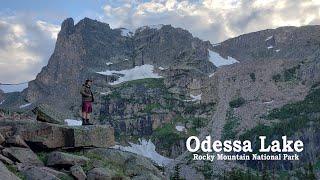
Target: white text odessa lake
point(193, 145)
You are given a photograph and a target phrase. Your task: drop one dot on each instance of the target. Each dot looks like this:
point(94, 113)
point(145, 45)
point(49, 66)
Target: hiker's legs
point(88, 119)
point(84, 117)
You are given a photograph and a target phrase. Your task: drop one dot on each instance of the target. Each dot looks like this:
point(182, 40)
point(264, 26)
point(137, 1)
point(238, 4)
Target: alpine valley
point(154, 88)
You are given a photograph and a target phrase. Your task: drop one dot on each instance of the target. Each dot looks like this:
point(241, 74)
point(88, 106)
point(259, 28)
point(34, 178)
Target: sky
point(28, 29)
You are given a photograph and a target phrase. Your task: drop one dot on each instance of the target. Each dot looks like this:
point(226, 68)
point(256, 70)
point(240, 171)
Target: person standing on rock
point(87, 99)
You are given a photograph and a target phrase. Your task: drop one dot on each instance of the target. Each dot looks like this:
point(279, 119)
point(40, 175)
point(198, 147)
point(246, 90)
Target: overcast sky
point(28, 29)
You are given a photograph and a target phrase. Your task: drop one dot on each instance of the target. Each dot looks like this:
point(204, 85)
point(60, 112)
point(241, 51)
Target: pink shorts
point(87, 107)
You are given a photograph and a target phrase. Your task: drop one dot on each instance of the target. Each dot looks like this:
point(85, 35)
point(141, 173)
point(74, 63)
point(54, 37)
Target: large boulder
point(46, 135)
point(38, 174)
point(95, 135)
point(100, 174)
point(6, 174)
point(41, 173)
point(132, 165)
point(61, 159)
point(78, 172)
point(22, 155)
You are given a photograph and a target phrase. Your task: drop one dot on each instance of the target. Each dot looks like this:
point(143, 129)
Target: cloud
point(25, 47)
point(214, 20)
point(26, 43)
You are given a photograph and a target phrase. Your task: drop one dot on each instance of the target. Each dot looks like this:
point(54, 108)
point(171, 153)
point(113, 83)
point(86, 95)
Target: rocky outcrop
point(84, 164)
point(132, 165)
point(272, 44)
point(60, 159)
point(46, 135)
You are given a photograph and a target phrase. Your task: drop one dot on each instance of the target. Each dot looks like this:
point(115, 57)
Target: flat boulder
point(22, 155)
point(52, 136)
point(6, 174)
point(94, 135)
point(65, 160)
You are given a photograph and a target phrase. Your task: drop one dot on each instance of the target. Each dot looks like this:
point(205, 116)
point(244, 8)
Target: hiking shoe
point(84, 122)
point(88, 123)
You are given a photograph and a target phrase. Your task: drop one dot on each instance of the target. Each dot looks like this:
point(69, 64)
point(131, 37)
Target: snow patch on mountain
point(2, 102)
point(218, 61)
point(270, 47)
point(147, 149)
point(108, 63)
point(194, 98)
point(217, 44)
point(138, 72)
point(268, 102)
point(73, 122)
point(126, 32)
point(25, 105)
point(180, 128)
point(157, 27)
point(211, 75)
point(8, 88)
point(268, 38)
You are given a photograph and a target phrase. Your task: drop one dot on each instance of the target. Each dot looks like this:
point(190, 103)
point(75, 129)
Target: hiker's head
point(88, 82)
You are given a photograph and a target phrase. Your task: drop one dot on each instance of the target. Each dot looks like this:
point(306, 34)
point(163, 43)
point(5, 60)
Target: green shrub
point(237, 102)
point(253, 76)
point(291, 74)
point(150, 107)
point(276, 78)
point(293, 116)
point(232, 122)
point(167, 135)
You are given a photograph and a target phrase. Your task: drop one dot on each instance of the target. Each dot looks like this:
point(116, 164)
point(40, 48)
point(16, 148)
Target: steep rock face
point(265, 97)
point(147, 108)
point(283, 42)
point(91, 46)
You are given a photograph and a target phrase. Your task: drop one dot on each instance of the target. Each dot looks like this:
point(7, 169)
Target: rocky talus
point(32, 149)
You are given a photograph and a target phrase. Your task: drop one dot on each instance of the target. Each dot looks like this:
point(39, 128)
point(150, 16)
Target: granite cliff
point(163, 84)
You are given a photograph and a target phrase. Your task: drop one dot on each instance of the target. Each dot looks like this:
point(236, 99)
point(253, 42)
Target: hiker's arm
point(84, 93)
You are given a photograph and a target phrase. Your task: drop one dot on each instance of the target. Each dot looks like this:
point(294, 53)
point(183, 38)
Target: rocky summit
point(162, 84)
